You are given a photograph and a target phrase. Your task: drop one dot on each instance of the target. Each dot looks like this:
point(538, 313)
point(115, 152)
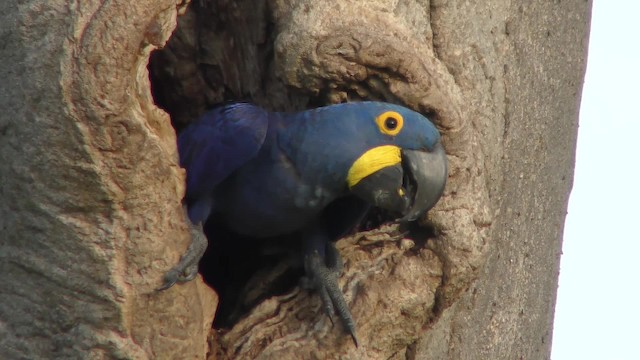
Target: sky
point(598, 306)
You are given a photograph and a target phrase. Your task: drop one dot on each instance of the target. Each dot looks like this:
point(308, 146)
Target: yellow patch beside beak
point(371, 161)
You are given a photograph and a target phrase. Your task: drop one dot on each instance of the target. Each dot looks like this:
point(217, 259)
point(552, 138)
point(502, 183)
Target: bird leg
point(187, 267)
point(323, 265)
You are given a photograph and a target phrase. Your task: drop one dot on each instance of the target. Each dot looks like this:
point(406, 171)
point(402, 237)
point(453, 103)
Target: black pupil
point(391, 123)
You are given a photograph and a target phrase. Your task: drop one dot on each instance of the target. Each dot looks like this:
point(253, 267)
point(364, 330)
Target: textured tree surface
point(90, 210)
point(90, 187)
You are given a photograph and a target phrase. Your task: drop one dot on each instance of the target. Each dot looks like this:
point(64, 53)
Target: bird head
point(404, 168)
point(386, 154)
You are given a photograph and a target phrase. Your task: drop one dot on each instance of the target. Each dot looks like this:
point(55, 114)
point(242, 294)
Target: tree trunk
point(90, 210)
point(90, 187)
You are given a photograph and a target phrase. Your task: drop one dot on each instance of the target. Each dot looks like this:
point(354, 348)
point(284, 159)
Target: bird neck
point(314, 149)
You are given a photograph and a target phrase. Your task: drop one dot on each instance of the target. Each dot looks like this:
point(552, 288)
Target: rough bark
point(91, 190)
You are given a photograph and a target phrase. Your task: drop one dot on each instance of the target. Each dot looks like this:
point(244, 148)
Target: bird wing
point(221, 141)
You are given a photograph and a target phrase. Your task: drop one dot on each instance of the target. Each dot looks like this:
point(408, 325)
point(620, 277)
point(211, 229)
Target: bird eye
point(390, 123)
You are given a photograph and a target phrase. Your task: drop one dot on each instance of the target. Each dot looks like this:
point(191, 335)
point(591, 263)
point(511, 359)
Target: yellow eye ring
point(390, 123)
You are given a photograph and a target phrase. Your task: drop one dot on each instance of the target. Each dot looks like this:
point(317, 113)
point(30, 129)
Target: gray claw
point(326, 302)
point(187, 268)
point(325, 281)
point(189, 273)
point(170, 278)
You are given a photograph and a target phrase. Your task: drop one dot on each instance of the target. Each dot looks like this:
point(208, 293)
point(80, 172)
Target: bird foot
point(187, 268)
point(322, 276)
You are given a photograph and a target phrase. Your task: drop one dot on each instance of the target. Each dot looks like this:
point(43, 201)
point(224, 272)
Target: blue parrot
point(312, 175)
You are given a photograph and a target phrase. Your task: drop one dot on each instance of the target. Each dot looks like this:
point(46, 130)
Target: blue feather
point(211, 149)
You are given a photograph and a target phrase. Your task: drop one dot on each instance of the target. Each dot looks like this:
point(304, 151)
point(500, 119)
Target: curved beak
point(411, 187)
point(427, 175)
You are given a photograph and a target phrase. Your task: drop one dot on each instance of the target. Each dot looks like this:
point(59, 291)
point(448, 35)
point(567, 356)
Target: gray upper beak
point(427, 172)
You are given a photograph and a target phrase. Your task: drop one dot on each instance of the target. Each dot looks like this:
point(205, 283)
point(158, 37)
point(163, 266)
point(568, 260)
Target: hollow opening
point(223, 51)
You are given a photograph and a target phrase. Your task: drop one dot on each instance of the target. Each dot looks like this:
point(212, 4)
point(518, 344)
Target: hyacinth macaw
point(265, 174)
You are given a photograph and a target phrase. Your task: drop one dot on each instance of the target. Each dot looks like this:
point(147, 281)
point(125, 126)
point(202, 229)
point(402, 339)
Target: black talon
point(170, 278)
point(327, 304)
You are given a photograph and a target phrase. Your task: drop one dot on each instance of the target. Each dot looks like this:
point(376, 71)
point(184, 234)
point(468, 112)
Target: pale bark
point(90, 187)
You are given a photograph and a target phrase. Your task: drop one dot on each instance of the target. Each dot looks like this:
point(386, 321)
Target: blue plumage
point(210, 150)
point(325, 142)
point(300, 165)
point(262, 174)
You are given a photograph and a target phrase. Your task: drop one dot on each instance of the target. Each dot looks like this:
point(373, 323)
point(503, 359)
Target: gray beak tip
point(428, 170)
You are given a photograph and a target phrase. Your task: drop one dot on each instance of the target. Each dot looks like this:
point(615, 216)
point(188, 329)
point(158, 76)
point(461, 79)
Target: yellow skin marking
point(371, 161)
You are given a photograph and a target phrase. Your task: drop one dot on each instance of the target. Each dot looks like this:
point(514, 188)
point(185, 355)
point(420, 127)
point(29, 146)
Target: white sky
point(598, 308)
